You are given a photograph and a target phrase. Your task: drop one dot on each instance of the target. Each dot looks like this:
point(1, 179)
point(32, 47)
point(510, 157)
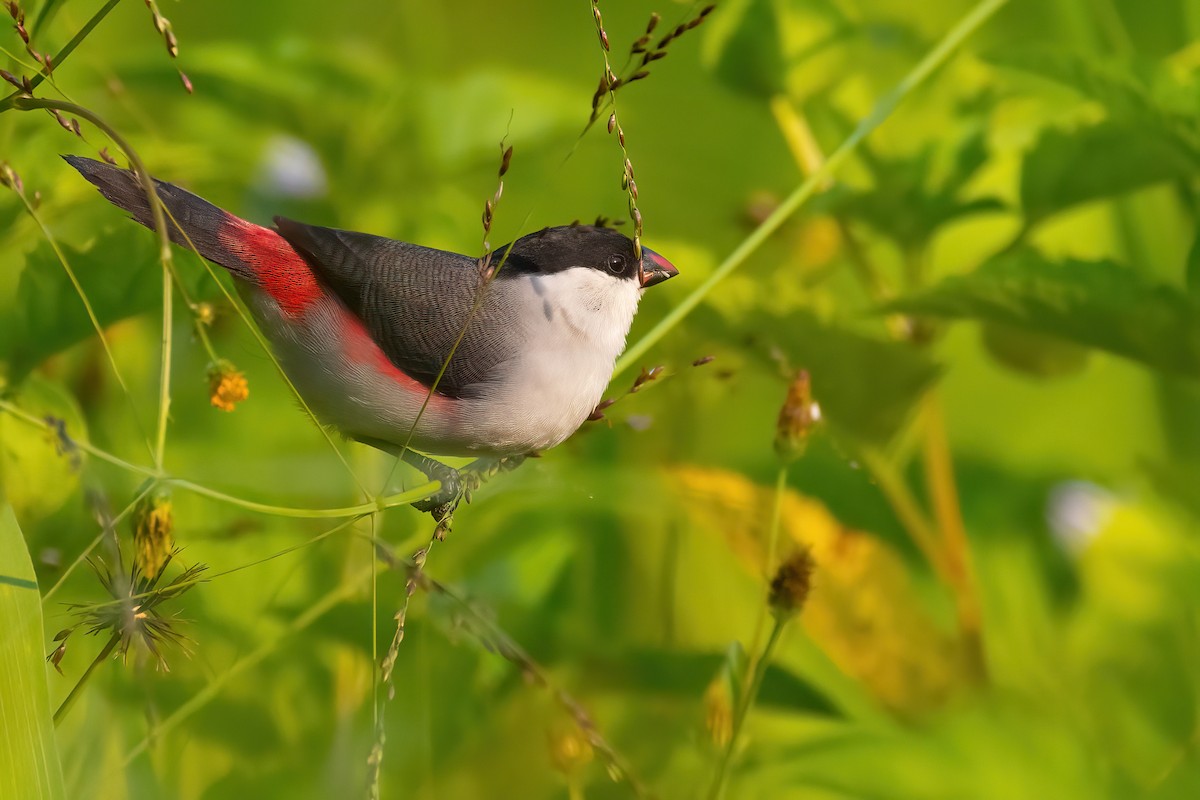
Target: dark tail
point(206, 226)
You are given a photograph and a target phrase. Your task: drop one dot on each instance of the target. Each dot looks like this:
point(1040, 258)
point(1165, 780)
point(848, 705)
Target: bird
point(411, 349)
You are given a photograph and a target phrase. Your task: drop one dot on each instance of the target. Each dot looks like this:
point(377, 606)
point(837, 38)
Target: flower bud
point(791, 584)
point(796, 419)
point(152, 533)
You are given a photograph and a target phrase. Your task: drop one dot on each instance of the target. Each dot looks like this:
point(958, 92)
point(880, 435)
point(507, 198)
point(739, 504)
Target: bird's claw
point(457, 486)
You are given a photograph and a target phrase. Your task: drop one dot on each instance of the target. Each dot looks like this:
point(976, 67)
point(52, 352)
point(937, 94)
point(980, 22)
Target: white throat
point(576, 322)
point(587, 306)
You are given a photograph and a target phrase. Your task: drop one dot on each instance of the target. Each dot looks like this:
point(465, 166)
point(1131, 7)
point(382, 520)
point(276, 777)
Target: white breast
point(576, 322)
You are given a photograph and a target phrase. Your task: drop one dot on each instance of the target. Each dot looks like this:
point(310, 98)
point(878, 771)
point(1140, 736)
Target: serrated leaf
point(745, 48)
point(29, 763)
point(1094, 303)
point(905, 204)
point(866, 387)
point(1122, 92)
point(120, 275)
point(1066, 168)
point(39, 469)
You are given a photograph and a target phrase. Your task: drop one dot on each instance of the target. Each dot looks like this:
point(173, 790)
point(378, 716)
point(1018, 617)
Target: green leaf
point(1066, 168)
point(1192, 271)
point(39, 470)
point(119, 273)
point(1032, 353)
point(29, 765)
point(745, 48)
point(866, 387)
point(1166, 106)
point(907, 203)
point(1098, 304)
point(675, 673)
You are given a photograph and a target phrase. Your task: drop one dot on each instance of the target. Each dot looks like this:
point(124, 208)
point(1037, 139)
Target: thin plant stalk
point(745, 702)
point(69, 701)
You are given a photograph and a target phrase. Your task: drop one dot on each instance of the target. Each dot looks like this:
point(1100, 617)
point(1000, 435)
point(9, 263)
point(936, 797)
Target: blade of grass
point(29, 762)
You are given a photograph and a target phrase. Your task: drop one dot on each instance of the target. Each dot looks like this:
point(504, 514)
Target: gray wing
point(414, 301)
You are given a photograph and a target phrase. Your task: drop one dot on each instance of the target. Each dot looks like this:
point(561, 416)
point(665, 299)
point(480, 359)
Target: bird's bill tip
point(655, 268)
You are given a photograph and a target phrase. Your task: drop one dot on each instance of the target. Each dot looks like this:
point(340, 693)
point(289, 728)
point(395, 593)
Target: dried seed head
point(152, 533)
point(637, 76)
point(56, 656)
point(10, 78)
point(796, 418)
point(505, 160)
point(791, 584)
point(646, 376)
point(612, 122)
point(226, 386)
point(633, 189)
point(655, 18)
point(598, 411)
point(700, 362)
point(187, 82)
point(104, 155)
point(10, 178)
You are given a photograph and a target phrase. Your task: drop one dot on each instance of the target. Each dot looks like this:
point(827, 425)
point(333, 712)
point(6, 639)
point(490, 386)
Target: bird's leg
point(457, 485)
point(442, 504)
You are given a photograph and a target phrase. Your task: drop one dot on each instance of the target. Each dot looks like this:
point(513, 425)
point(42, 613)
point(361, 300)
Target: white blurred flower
point(1076, 512)
point(291, 168)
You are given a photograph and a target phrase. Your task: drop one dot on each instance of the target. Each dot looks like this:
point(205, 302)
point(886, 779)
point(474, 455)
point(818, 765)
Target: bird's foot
point(456, 485)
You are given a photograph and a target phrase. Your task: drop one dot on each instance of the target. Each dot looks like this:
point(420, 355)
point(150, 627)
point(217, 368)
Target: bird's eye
point(616, 264)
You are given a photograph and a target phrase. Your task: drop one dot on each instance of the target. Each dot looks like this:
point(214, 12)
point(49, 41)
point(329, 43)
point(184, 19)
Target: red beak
point(654, 268)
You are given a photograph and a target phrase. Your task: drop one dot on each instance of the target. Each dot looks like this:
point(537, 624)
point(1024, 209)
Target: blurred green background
point(996, 298)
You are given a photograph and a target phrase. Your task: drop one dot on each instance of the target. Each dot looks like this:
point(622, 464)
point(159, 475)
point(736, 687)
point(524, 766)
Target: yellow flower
point(866, 615)
point(570, 750)
point(226, 386)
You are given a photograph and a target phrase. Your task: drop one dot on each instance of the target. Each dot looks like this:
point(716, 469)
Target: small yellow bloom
point(226, 386)
point(152, 533)
point(570, 750)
